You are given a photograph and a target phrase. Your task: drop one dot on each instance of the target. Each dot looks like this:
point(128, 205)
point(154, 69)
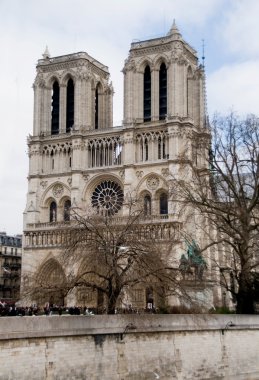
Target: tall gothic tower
point(76, 156)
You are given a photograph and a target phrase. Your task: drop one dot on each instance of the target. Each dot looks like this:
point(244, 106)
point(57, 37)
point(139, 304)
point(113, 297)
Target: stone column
point(46, 110)
point(37, 110)
point(155, 94)
point(126, 97)
point(77, 94)
point(87, 101)
point(171, 85)
point(139, 96)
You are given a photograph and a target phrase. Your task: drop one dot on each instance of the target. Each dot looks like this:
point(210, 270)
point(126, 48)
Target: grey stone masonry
point(126, 347)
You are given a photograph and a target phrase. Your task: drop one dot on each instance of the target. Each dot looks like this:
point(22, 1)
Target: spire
point(203, 54)
point(206, 117)
point(174, 30)
point(46, 54)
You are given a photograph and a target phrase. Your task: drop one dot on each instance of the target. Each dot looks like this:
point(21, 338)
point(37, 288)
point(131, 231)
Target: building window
point(96, 110)
point(146, 150)
point(55, 109)
point(53, 212)
point(162, 92)
point(67, 206)
point(163, 204)
point(147, 94)
point(147, 205)
point(161, 148)
point(107, 198)
point(70, 105)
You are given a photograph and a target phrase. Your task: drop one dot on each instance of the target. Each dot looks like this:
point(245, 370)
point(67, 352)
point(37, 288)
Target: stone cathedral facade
point(77, 157)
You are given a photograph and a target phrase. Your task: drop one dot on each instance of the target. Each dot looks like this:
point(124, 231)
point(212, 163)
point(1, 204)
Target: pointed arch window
point(163, 204)
point(97, 106)
point(146, 149)
point(55, 109)
point(161, 154)
point(70, 105)
point(67, 207)
point(162, 91)
point(159, 146)
point(53, 212)
point(147, 94)
point(147, 205)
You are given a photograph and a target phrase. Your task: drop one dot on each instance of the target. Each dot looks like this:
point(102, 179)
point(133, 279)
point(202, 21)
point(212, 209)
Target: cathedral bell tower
point(77, 158)
point(72, 95)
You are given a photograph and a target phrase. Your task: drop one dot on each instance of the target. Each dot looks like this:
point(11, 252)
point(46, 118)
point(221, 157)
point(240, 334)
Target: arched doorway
point(50, 284)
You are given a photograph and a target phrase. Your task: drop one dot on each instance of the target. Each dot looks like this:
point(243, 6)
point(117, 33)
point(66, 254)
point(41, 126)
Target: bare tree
point(110, 254)
point(224, 191)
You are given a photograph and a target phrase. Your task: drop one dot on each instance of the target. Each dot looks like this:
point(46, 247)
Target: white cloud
point(234, 87)
point(239, 28)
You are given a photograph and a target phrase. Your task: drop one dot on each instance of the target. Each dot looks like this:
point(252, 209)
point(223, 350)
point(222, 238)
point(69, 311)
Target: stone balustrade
point(160, 227)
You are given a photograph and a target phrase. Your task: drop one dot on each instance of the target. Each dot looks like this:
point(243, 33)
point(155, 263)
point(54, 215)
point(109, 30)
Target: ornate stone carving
point(153, 182)
point(83, 73)
point(39, 80)
point(69, 181)
point(122, 174)
point(58, 190)
point(139, 173)
point(86, 177)
point(107, 198)
point(165, 172)
point(44, 184)
point(129, 65)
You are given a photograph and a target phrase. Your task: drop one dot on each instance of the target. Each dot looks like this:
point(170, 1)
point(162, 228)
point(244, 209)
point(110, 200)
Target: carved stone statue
point(193, 260)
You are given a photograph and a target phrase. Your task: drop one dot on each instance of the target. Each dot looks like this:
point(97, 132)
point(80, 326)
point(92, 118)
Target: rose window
point(108, 197)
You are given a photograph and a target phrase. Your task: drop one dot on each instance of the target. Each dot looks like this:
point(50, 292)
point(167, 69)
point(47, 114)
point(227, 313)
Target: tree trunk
point(113, 295)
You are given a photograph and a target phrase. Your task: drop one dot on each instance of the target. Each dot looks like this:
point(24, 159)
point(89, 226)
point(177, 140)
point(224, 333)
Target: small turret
point(174, 31)
point(46, 54)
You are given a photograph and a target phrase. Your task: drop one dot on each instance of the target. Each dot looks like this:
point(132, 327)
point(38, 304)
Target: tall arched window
point(96, 107)
point(146, 149)
point(161, 148)
point(55, 109)
point(163, 204)
point(162, 92)
point(147, 94)
point(53, 212)
point(147, 205)
point(70, 105)
point(67, 206)
point(52, 160)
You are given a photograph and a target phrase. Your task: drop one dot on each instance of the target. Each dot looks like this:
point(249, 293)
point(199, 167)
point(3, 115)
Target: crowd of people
point(10, 310)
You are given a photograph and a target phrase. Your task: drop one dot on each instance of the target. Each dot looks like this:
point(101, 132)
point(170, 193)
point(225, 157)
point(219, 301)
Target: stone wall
point(130, 347)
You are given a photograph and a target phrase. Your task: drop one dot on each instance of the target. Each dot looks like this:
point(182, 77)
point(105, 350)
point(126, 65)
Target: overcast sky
point(105, 29)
